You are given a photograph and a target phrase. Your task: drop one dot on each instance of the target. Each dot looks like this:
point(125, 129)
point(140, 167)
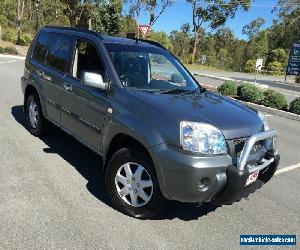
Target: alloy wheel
point(134, 184)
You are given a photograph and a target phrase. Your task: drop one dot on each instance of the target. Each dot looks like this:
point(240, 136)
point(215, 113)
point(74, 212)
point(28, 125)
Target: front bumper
point(189, 178)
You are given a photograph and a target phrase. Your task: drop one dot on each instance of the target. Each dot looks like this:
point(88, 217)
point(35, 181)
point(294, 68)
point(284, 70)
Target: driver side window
point(87, 59)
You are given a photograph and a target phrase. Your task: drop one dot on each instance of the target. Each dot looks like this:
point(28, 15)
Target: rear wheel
point(36, 122)
point(132, 185)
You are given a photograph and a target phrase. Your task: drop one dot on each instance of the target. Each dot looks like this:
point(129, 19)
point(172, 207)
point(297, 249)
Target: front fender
point(136, 128)
point(133, 126)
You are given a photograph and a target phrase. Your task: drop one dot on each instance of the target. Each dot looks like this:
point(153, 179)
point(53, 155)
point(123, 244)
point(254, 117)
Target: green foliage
point(278, 55)
point(250, 66)
point(25, 40)
point(250, 93)
point(202, 37)
point(253, 28)
point(107, 17)
point(275, 100)
point(8, 50)
point(128, 25)
point(162, 38)
point(297, 80)
point(9, 35)
point(228, 88)
point(275, 68)
point(180, 41)
point(295, 106)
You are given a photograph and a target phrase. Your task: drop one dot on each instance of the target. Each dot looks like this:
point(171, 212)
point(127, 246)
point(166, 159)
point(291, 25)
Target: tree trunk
point(0, 33)
point(19, 34)
point(20, 11)
point(151, 12)
point(195, 46)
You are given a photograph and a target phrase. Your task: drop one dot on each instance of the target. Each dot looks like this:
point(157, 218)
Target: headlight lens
point(202, 138)
point(264, 120)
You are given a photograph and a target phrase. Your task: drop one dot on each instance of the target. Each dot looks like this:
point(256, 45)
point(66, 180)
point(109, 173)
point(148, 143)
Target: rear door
point(84, 108)
point(58, 66)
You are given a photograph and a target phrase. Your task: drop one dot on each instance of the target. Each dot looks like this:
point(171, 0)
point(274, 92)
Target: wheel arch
point(121, 140)
point(28, 90)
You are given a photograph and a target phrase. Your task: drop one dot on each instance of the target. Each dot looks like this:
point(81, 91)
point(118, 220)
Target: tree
point(162, 38)
point(285, 29)
point(155, 8)
point(128, 25)
point(107, 17)
point(180, 41)
point(159, 7)
point(252, 29)
point(78, 11)
point(20, 12)
point(212, 14)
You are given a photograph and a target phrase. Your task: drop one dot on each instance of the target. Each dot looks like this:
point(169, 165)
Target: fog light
point(204, 184)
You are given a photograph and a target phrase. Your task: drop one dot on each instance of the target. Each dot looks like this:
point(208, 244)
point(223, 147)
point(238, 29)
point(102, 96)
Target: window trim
point(84, 39)
point(35, 44)
point(69, 54)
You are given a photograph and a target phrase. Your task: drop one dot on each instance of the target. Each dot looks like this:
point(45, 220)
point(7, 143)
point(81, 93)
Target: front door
point(84, 108)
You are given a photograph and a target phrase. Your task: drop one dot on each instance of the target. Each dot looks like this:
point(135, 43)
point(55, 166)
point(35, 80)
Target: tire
point(136, 160)
point(38, 127)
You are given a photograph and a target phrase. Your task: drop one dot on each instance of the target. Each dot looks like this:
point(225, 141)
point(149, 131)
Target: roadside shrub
point(1, 50)
point(9, 35)
point(25, 40)
point(297, 80)
point(228, 88)
point(10, 50)
point(275, 68)
point(250, 66)
point(275, 100)
point(295, 106)
point(250, 93)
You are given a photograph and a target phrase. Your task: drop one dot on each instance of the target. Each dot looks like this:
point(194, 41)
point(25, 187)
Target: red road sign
point(144, 29)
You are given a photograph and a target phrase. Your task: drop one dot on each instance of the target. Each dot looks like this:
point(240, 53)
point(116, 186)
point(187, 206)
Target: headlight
point(264, 120)
point(202, 138)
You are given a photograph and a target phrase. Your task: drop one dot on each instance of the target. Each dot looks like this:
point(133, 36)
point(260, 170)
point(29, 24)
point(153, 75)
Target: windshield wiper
point(178, 91)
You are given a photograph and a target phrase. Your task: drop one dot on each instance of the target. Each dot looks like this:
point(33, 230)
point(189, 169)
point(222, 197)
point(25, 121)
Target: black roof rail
point(152, 43)
point(86, 31)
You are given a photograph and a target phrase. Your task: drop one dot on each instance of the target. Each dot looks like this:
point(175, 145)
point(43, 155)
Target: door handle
point(41, 73)
point(67, 87)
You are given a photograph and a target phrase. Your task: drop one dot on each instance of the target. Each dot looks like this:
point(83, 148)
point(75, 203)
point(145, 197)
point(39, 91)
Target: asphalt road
point(272, 81)
point(51, 194)
point(289, 91)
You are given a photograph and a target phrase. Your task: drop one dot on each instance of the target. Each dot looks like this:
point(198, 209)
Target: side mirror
point(94, 80)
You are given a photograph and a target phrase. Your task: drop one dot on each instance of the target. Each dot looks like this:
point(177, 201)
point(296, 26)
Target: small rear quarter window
point(41, 47)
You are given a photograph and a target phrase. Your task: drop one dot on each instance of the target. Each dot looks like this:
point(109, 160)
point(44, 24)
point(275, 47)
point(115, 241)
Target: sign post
point(258, 65)
point(144, 29)
point(293, 67)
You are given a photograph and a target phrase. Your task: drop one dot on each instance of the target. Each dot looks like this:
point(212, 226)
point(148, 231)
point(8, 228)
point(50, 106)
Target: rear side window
point(59, 53)
point(40, 49)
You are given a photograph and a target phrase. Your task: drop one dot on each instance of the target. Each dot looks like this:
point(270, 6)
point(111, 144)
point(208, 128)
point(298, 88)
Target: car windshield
point(149, 68)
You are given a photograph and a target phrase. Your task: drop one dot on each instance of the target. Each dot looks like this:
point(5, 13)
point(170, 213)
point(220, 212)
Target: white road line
point(13, 57)
point(286, 169)
point(11, 61)
point(269, 115)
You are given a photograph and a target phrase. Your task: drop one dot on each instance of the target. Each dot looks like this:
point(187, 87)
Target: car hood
point(234, 119)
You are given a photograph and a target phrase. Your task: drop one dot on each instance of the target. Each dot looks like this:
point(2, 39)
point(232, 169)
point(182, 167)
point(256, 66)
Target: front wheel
point(132, 185)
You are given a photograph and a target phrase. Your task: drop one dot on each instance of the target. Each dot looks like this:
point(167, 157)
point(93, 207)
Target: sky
point(180, 12)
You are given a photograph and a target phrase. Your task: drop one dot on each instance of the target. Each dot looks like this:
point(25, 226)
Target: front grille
point(239, 145)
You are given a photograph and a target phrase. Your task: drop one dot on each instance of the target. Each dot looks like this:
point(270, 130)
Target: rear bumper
point(189, 178)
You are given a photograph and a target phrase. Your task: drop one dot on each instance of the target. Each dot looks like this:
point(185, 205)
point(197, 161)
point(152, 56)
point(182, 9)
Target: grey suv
point(161, 135)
